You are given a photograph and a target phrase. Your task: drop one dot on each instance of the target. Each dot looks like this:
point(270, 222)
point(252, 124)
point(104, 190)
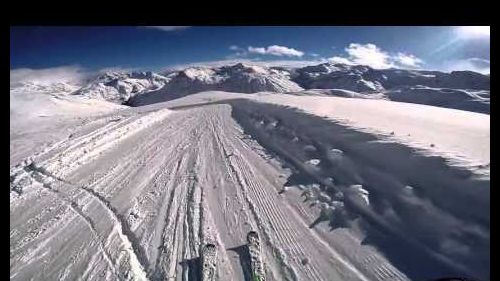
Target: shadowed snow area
point(338, 179)
point(406, 202)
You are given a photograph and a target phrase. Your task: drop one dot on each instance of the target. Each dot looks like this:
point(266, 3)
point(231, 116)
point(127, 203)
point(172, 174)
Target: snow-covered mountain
point(464, 90)
point(239, 78)
point(119, 87)
point(357, 78)
point(464, 99)
point(362, 78)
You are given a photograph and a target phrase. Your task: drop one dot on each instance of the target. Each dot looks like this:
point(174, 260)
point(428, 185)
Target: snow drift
point(407, 201)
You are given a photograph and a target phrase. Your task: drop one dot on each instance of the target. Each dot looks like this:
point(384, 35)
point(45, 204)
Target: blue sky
point(154, 48)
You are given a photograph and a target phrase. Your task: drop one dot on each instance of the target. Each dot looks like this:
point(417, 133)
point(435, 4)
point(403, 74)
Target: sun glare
point(474, 31)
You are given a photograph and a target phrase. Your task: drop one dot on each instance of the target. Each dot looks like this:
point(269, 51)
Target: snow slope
point(150, 219)
point(42, 113)
point(461, 136)
point(338, 93)
point(321, 179)
point(387, 185)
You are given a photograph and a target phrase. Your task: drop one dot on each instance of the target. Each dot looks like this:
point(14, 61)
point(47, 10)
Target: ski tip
point(210, 246)
point(252, 234)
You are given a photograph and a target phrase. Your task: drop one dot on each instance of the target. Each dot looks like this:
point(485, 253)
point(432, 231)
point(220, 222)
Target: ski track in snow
point(137, 198)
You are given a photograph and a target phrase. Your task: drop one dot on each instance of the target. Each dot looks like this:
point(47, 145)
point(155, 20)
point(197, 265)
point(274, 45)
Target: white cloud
point(118, 69)
point(168, 28)
point(72, 74)
point(280, 50)
point(471, 64)
point(368, 54)
point(260, 50)
point(67, 74)
point(340, 60)
point(239, 52)
point(276, 50)
point(408, 60)
point(371, 55)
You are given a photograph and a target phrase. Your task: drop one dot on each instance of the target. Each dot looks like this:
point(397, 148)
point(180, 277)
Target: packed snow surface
point(336, 188)
point(40, 114)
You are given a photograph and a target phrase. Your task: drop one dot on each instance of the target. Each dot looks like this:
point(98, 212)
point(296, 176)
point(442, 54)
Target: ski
point(254, 249)
point(209, 262)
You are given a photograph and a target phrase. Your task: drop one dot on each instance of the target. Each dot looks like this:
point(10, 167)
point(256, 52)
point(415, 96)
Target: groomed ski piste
point(335, 188)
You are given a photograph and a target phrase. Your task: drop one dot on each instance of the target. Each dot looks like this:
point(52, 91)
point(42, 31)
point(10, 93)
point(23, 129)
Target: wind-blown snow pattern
point(359, 188)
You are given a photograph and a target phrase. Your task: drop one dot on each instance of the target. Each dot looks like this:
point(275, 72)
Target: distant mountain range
point(464, 90)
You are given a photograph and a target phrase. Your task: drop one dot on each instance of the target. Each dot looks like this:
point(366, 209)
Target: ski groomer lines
point(209, 262)
point(254, 250)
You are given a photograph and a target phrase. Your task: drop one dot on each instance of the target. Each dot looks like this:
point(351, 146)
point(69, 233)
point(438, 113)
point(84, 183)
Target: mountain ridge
point(465, 90)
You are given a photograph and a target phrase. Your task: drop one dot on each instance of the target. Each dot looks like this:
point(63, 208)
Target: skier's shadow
point(244, 256)
point(194, 268)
